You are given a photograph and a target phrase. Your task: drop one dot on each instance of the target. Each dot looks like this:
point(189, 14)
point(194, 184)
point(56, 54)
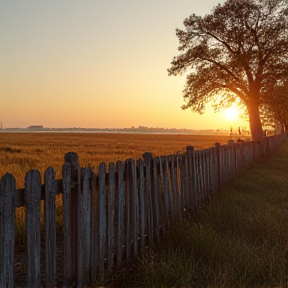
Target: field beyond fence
point(111, 215)
point(21, 152)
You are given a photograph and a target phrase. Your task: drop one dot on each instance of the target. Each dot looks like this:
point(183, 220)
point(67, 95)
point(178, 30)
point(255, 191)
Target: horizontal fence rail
point(111, 216)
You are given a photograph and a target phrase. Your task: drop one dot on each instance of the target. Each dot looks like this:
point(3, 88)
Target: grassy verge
point(239, 239)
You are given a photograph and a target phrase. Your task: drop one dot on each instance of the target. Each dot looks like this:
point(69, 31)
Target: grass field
point(20, 152)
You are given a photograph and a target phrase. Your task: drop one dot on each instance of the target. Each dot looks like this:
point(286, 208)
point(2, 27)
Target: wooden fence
point(109, 217)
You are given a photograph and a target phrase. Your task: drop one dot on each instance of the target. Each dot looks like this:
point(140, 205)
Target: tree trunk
point(255, 122)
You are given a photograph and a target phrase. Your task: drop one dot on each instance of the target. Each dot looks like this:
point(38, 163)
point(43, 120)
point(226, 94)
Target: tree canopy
point(277, 106)
point(238, 52)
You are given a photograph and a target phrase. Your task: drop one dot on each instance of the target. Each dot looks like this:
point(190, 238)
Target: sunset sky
point(96, 63)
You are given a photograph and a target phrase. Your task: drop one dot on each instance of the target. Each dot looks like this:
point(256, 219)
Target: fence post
point(131, 208)
point(135, 207)
point(231, 158)
point(210, 169)
point(7, 230)
point(155, 200)
point(120, 209)
point(163, 198)
point(111, 217)
point(213, 170)
point(190, 154)
point(168, 193)
point(32, 202)
point(128, 206)
point(70, 174)
point(204, 173)
point(50, 226)
point(67, 229)
point(196, 178)
point(147, 156)
point(201, 174)
point(102, 218)
point(142, 204)
point(94, 231)
point(84, 229)
point(218, 173)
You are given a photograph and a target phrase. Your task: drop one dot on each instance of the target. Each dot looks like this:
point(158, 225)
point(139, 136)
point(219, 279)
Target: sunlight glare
point(231, 113)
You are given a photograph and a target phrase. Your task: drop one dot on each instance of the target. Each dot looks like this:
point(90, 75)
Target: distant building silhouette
point(35, 128)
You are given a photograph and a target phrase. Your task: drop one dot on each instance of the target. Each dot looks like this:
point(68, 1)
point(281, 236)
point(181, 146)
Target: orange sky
point(96, 64)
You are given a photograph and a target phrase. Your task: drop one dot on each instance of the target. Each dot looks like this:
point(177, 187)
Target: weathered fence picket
point(164, 200)
point(7, 228)
point(67, 229)
point(84, 228)
point(190, 176)
point(102, 226)
point(127, 209)
point(94, 259)
point(32, 204)
point(142, 205)
point(148, 183)
point(120, 209)
point(155, 201)
point(135, 208)
point(111, 216)
point(50, 225)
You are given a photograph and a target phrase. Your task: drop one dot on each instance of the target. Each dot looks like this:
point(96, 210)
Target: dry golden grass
point(20, 152)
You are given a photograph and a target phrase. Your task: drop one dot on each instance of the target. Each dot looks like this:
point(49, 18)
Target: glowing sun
point(231, 113)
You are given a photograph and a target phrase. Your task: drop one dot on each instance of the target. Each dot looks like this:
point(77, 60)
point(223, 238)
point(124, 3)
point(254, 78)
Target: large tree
point(238, 52)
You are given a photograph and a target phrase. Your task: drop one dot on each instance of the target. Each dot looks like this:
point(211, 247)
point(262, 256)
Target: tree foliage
point(239, 51)
point(278, 103)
